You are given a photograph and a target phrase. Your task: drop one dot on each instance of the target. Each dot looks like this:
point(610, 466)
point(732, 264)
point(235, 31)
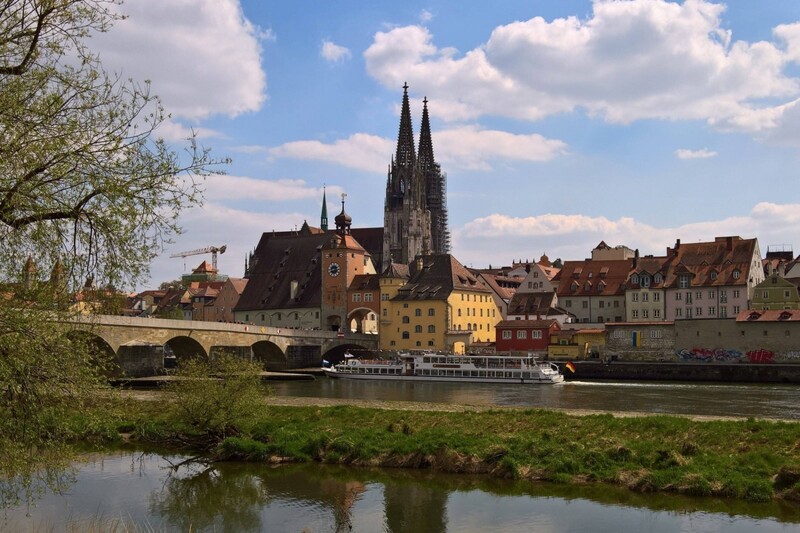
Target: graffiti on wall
point(722, 355)
point(709, 355)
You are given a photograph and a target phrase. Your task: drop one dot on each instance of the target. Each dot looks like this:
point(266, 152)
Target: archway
point(101, 354)
point(363, 320)
point(269, 355)
point(336, 354)
point(181, 348)
point(333, 323)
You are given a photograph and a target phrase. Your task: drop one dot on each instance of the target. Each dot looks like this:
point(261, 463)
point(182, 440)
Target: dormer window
point(573, 287)
point(785, 316)
point(635, 279)
point(645, 281)
point(587, 286)
point(736, 274)
point(658, 278)
point(713, 275)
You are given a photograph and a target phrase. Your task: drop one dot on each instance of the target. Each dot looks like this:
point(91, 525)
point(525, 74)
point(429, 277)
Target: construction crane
point(213, 250)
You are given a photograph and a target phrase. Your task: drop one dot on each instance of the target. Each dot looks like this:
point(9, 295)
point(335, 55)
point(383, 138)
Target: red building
point(525, 335)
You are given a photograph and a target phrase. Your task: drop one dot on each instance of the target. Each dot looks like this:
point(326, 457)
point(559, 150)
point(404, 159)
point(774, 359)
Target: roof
point(397, 270)
point(365, 282)
point(503, 286)
point(372, 241)
point(775, 315)
point(238, 284)
point(528, 324)
point(712, 263)
point(593, 278)
point(277, 261)
point(531, 303)
point(440, 275)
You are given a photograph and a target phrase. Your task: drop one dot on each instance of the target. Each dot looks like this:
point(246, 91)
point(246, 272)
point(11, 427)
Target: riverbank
point(753, 460)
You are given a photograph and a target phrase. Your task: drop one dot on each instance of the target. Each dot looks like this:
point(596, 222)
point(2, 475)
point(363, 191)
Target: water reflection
point(144, 491)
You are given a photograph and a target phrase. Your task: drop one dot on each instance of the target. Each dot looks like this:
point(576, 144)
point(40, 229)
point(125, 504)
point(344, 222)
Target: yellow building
point(437, 305)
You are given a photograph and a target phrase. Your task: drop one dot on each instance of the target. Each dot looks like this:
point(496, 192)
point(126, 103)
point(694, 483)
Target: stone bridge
point(140, 345)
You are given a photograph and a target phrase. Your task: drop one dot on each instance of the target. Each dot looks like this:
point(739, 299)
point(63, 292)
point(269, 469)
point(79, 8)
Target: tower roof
point(405, 138)
point(323, 219)
point(426, 159)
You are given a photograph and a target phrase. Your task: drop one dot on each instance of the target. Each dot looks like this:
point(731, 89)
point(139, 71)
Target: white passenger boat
point(440, 367)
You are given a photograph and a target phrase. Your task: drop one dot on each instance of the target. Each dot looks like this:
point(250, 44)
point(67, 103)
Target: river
point(697, 399)
point(140, 491)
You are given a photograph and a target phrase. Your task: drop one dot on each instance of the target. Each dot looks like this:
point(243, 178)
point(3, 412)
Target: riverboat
point(440, 367)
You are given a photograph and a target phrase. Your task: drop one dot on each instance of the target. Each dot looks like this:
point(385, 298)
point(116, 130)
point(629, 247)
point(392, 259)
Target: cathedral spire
point(405, 139)
point(323, 221)
point(425, 152)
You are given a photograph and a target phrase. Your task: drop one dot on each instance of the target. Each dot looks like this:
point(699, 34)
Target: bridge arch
point(336, 353)
point(183, 347)
point(269, 355)
point(100, 351)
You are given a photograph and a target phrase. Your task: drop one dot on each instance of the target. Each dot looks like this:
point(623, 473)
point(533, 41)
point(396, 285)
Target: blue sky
point(558, 123)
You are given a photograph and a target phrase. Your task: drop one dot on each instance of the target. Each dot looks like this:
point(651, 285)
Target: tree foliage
point(85, 184)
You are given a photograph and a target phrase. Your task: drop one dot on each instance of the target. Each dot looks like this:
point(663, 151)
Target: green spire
point(323, 223)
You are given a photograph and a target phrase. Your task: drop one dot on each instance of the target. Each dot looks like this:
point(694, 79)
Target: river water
point(134, 491)
point(708, 399)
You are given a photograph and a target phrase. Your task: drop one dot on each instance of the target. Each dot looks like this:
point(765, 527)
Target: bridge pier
point(141, 360)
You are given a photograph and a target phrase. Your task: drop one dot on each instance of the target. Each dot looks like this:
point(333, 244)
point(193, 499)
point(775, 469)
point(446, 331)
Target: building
point(363, 308)
point(644, 289)
point(593, 291)
point(441, 306)
point(415, 210)
point(539, 277)
point(775, 292)
point(520, 336)
point(708, 280)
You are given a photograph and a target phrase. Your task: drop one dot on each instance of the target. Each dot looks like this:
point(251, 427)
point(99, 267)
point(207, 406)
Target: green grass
point(751, 460)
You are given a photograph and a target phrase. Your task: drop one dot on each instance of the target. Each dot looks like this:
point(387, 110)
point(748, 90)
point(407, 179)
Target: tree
point(85, 183)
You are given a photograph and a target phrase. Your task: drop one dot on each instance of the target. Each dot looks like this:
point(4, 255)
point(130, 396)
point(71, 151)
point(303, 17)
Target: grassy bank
point(750, 459)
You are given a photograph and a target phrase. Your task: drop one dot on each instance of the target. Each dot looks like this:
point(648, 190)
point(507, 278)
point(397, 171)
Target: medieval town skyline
point(559, 124)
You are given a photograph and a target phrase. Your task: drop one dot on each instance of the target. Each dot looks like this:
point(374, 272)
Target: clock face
point(334, 269)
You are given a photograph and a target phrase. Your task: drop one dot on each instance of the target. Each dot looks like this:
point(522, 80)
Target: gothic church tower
point(415, 213)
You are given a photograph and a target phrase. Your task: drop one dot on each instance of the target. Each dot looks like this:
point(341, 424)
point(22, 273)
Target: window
point(645, 296)
point(522, 334)
point(723, 312)
point(406, 320)
point(713, 275)
point(635, 313)
point(356, 296)
point(656, 313)
point(678, 296)
point(736, 293)
point(616, 303)
point(658, 278)
point(406, 335)
point(712, 311)
point(430, 343)
point(535, 274)
point(688, 312)
point(656, 296)
point(645, 281)
point(530, 284)
point(367, 296)
point(459, 312)
point(736, 274)
point(698, 311)
point(506, 334)
point(765, 294)
point(635, 297)
point(656, 333)
point(645, 313)
point(786, 294)
point(711, 295)
point(384, 297)
point(536, 334)
point(417, 312)
point(417, 329)
point(405, 306)
point(602, 304)
point(385, 312)
point(585, 304)
point(431, 311)
point(431, 328)
point(679, 312)
point(568, 303)
point(683, 282)
point(698, 295)
point(635, 279)
point(735, 309)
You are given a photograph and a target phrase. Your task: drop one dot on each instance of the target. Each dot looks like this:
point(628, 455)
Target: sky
point(558, 123)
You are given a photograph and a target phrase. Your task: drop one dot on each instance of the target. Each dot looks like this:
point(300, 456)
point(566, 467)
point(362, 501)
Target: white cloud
point(630, 60)
point(333, 53)
point(359, 151)
point(425, 16)
point(474, 148)
point(685, 153)
point(468, 147)
point(223, 187)
point(173, 131)
point(203, 56)
point(497, 239)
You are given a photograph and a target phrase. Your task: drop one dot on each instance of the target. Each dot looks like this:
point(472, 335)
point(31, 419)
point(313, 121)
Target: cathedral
point(415, 209)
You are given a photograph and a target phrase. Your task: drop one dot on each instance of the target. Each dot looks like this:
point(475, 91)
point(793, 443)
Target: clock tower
point(342, 259)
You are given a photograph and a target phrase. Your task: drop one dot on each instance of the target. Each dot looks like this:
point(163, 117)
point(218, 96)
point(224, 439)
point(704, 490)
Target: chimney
point(527, 268)
point(729, 243)
point(635, 258)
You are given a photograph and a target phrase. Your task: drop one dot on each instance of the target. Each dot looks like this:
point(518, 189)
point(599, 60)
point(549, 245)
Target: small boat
point(446, 367)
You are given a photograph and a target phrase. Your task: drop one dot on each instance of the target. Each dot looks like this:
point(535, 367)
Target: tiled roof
point(531, 303)
point(518, 324)
point(279, 259)
point(593, 278)
point(439, 276)
point(711, 263)
point(774, 315)
point(238, 284)
point(496, 282)
point(372, 241)
point(365, 282)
